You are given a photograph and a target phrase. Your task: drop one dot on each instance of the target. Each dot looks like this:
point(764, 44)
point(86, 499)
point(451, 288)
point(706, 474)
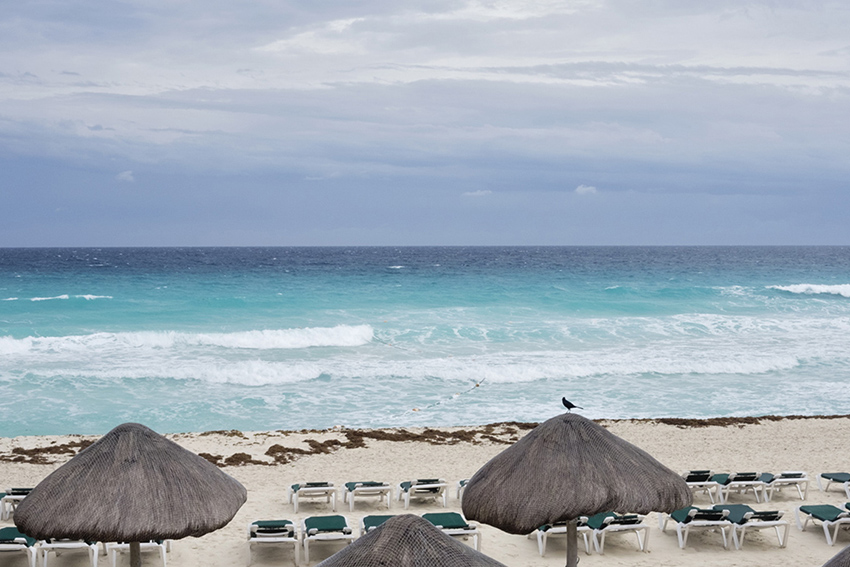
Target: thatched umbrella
point(132, 485)
point(565, 468)
point(840, 559)
point(408, 541)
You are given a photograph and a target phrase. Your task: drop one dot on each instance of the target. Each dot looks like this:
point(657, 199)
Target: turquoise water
point(288, 338)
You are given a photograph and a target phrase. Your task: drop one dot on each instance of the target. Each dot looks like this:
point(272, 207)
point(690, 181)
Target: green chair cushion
point(326, 523)
point(372, 522)
point(447, 520)
point(823, 512)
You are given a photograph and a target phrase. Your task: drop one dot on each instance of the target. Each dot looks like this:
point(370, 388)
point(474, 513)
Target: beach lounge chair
point(324, 490)
point(274, 532)
point(422, 488)
point(740, 482)
point(744, 518)
point(10, 499)
point(11, 540)
point(842, 478)
point(461, 484)
point(455, 525)
point(367, 488)
point(113, 549)
point(369, 523)
point(828, 515)
point(797, 479)
point(700, 481)
point(609, 522)
point(325, 528)
point(60, 545)
point(692, 517)
point(560, 529)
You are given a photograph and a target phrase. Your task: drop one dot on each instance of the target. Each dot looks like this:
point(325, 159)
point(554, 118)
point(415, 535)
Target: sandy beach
point(267, 463)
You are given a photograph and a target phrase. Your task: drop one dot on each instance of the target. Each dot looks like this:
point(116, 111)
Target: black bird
point(569, 405)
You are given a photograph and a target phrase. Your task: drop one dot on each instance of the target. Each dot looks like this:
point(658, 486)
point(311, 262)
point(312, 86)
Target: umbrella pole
point(135, 554)
point(572, 544)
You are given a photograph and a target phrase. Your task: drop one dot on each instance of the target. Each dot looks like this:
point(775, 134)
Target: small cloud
point(125, 176)
point(585, 190)
point(479, 193)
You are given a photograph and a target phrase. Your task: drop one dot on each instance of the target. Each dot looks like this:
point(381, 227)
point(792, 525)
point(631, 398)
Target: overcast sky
point(213, 122)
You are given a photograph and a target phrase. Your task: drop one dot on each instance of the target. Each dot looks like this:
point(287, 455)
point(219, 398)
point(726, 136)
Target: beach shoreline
point(267, 462)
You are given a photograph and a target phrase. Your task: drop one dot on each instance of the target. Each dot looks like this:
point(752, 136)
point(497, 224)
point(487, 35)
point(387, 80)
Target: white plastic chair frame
point(461, 485)
point(842, 520)
point(823, 488)
point(383, 491)
point(708, 486)
point(315, 536)
point(8, 504)
point(740, 486)
point(256, 537)
point(113, 549)
point(739, 531)
point(423, 490)
point(58, 545)
point(325, 490)
point(797, 479)
point(28, 549)
point(683, 529)
point(471, 531)
point(561, 530)
point(609, 526)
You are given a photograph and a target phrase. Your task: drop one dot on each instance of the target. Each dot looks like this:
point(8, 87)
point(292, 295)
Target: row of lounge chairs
point(13, 540)
point(430, 488)
point(720, 486)
point(337, 529)
point(737, 518)
point(594, 529)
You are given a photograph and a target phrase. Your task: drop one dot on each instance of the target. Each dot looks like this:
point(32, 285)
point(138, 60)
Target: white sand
point(811, 445)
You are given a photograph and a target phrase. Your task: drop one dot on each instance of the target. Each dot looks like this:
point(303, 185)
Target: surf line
point(455, 396)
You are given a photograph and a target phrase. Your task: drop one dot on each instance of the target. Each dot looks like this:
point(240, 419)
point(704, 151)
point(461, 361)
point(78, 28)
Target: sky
point(506, 122)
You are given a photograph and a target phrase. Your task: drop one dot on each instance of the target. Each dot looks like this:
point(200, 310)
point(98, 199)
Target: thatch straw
point(565, 468)
point(840, 559)
point(131, 485)
point(408, 541)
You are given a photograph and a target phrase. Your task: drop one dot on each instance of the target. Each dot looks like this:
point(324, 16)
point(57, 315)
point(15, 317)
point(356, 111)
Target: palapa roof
point(408, 541)
point(565, 468)
point(840, 559)
point(131, 485)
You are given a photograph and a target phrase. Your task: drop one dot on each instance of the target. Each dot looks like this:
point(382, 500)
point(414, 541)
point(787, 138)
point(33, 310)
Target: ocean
point(197, 339)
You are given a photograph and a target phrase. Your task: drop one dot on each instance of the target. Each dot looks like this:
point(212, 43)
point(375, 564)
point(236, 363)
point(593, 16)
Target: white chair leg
point(683, 535)
point(541, 542)
point(738, 536)
point(44, 557)
point(294, 499)
point(162, 555)
point(782, 535)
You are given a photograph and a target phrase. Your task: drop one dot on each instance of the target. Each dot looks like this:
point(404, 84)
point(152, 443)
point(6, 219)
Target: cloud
point(585, 190)
point(125, 176)
point(479, 193)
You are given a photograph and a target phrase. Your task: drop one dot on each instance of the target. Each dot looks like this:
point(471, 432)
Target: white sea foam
point(815, 289)
point(87, 297)
point(339, 336)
